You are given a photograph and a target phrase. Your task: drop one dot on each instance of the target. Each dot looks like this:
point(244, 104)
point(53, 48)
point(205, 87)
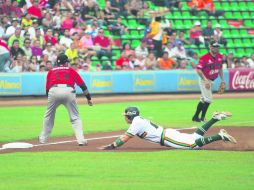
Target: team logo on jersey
point(210, 61)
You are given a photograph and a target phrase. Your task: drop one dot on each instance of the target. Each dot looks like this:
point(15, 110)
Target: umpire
point(60, 90)
point(208, 69)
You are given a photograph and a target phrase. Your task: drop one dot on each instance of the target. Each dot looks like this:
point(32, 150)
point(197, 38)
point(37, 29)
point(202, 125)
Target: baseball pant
point(206, 94)
point(66, 96)
point(176, 139)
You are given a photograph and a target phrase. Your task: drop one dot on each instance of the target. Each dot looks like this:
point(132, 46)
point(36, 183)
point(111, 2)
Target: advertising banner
point(241, 79)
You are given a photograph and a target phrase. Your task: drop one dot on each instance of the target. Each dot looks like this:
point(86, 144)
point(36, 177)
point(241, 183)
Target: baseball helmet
point(131, 112)
point(62, 59)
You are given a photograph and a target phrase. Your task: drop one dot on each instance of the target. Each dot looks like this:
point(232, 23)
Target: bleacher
point(240, 41)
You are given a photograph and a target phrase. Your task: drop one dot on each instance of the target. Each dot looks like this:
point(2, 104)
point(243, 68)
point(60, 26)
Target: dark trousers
point(157, 48)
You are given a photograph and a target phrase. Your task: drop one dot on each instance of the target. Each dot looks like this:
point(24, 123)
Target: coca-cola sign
point(242, 79)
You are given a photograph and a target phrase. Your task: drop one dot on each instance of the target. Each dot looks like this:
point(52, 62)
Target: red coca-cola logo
point(243, 80)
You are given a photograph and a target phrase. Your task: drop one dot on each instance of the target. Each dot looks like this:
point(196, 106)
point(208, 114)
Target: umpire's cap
point(131, 112)
point(213, 43)
point(62, 59)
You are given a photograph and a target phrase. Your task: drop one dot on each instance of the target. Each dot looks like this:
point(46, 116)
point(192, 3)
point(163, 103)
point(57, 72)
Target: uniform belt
point(162, 137)
point(62, 85)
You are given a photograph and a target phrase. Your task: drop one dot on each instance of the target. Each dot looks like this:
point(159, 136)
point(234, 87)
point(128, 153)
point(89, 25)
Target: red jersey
point(63, 75)
point(210, 66)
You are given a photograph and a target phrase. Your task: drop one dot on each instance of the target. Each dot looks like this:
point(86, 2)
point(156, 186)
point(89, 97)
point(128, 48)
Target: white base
point(17, 145)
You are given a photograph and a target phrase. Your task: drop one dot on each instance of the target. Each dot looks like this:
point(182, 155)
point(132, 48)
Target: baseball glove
point(222, 88)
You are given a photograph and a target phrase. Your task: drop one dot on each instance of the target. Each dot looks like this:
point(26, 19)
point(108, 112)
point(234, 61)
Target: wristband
point(118, 142)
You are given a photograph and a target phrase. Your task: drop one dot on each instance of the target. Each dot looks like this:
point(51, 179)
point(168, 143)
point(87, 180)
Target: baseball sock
point(201, 130)
point(204, 110)
point(206, 140)
point(199, 109)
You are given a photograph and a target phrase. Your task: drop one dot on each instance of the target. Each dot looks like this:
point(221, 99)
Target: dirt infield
point(244, 136)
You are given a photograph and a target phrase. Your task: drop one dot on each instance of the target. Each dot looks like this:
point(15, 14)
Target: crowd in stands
point(34, 32)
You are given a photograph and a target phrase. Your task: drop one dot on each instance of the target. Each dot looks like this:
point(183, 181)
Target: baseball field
point(61, 164)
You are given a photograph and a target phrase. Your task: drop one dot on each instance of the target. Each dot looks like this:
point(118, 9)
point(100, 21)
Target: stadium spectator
point(11, 28)
point(127, 49)
point(165, 62)
point(118, 28)
point(192, 61)
point(243, 62)
point(17, 64)
point(122, 60)
point(206, 5)
point(50, 51)
point(8, 9)
point(182, 39)
point(39, 36)
point(48, 37)
point(56, 21)
point(121, 5)
point(26, 21)
point(104, 44)
point(178, 52)
point(47, 21)
point(218, 35)
point(142, 49)
point(72, 52)
point(77, 4)
point(169, 49)
point(134, 6)
point(36, 49)
point(76, 29)
point(87, 44)
point(67, 21)
point(150, 62)
point(156, 34)
point(196, 35)
point(251, 61)
point(108, 14)
point(2, 29)
point(15, 49)
point(27, 48)
point(32, 29)
point(65, 41)
point(33, 65)
point(207, 33)
point(34, 9)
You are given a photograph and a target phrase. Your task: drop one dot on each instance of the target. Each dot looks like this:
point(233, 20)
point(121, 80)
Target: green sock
point(201, 130)
point(206, 140)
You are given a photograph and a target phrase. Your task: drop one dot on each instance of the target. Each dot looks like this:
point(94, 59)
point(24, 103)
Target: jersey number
point(66, 76)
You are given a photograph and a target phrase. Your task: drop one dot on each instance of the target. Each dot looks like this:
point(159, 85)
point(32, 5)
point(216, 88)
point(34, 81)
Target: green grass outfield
point(173, 169)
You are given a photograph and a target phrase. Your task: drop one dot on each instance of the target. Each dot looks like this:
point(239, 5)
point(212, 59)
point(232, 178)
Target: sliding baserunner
point(149, 131)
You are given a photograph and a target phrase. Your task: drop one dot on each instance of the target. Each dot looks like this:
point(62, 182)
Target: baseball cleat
point(41, 141)
point(221, 115)
point(226, 137)
point(196, 119)
point(85, 143)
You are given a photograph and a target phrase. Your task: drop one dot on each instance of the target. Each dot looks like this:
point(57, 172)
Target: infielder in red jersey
point(60, 90)
point(208, 69)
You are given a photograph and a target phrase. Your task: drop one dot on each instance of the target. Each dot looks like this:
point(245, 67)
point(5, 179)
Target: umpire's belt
point(62, 85)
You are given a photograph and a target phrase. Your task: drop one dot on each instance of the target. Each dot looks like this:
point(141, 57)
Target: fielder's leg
point(76, 122)
point(49, 116)
point(206, 97)
point(198, 110)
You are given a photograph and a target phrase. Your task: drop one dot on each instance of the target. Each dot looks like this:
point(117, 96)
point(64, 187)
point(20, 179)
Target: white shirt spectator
point(141, 51)
point(65, 41)
point(179, 51)
point(251, 61)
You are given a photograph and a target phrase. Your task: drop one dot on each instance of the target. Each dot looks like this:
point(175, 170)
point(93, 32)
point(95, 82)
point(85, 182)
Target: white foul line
point(90, 139)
